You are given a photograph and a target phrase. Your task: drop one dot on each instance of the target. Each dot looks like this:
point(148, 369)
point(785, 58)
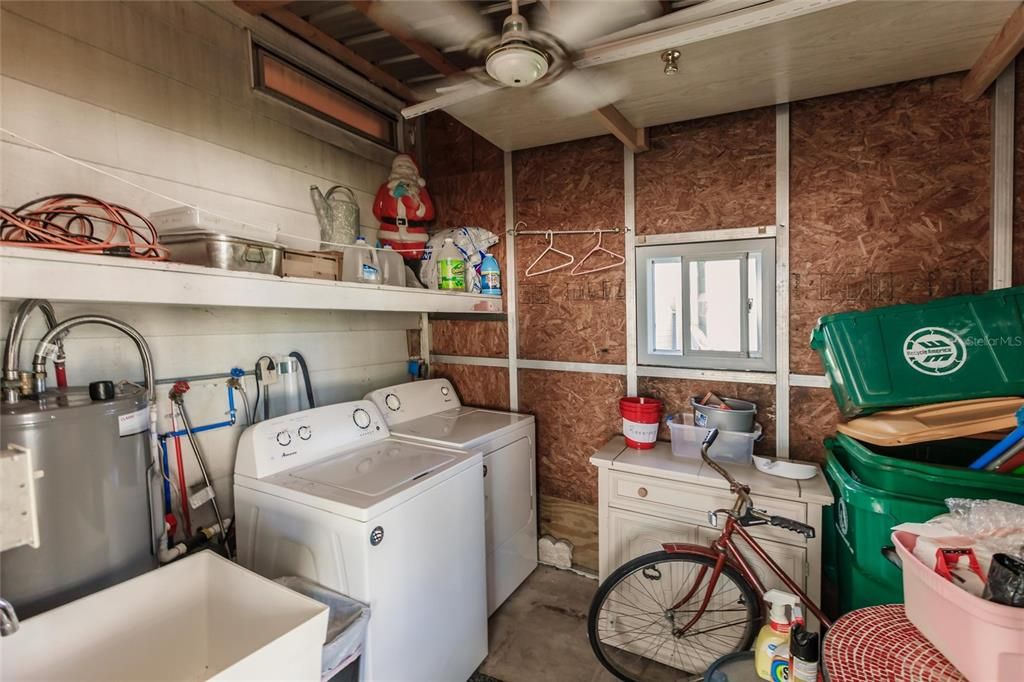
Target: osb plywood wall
point(889, 201)
point(709, 173)
point(576, 185)
point(466, 178)
point(477, 385)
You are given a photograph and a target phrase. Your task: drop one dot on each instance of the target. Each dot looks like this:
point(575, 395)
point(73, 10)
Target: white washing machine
point(329, 495)
point(430, 412)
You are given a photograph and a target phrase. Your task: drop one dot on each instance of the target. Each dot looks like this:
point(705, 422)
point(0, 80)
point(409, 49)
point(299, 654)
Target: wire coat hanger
point(551, 249)
point(619, 260)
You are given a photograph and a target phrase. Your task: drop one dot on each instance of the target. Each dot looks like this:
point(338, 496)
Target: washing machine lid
point(461, 427)
point(375, 471)
point(364, 482)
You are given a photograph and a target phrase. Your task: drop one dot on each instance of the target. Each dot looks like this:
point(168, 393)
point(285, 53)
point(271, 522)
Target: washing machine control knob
point(361, 418)
point(304, 432)
point(445, 391)
point(284, 438)
point(393, 402)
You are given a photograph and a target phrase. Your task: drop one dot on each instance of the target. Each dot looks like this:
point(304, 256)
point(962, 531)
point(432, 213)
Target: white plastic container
point(731, 446)
point(188, 219)
point(392, 267)
point(199, 618)
point(984, 640)
point(360, 264)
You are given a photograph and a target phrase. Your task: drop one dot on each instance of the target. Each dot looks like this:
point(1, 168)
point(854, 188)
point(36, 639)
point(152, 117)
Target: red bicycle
point(668, 615)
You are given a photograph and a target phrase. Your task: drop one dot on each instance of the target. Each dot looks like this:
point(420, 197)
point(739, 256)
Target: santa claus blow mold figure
point(404, 209)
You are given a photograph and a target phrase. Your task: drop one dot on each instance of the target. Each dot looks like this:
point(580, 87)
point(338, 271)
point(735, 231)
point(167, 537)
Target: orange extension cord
point(75, 222)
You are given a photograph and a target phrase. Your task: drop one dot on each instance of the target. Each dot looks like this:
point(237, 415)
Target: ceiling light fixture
point(515, 62)
point(671, 59)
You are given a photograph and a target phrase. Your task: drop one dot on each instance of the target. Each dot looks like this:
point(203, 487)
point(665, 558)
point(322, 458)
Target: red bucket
point(640, 419)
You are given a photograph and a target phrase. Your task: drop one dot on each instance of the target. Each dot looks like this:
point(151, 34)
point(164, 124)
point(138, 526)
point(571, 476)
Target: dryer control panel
point(282, 443)
point(405, 402)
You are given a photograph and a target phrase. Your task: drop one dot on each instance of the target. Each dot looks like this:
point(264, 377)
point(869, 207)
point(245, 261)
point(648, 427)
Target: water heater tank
point(94, 522)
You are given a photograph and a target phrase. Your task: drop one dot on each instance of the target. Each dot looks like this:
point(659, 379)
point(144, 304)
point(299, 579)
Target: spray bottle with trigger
point(775, 633)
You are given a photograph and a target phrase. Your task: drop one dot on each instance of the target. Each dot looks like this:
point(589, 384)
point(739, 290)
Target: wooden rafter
point(996, 56)
point(634, 138)
point(261, 6)
point(343, 54)
point(426, 52)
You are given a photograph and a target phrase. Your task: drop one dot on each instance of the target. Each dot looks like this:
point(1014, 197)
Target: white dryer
point(430, 412)
point(329, 495)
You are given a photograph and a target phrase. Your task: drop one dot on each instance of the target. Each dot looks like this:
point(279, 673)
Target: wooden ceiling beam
point(343, 54)
point(427, 53)
point(996, 56)
point(261, 6)
point(635, 139)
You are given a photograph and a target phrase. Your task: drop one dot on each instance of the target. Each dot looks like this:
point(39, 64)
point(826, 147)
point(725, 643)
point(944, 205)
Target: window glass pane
point(714, 310)
point(755, 304)
point(665, 308)
point(302, 89)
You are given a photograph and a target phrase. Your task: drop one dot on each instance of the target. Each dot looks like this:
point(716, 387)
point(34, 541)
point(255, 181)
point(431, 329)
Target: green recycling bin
point(948, 349)
point(934, 470)
point(862, 519)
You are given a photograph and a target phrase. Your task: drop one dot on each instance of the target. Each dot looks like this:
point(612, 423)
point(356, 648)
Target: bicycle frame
point(724, 549)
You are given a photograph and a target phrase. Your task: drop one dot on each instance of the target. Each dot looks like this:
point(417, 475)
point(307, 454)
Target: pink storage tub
point(983, 639)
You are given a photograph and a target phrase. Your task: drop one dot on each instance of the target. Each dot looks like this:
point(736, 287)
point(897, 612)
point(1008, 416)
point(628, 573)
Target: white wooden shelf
point(60, 276)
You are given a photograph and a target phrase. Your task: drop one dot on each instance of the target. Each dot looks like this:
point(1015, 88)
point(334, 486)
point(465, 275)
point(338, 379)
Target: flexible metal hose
point(202, 463)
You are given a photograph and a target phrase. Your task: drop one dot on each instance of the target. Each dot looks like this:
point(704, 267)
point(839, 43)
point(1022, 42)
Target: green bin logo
point(935, 351)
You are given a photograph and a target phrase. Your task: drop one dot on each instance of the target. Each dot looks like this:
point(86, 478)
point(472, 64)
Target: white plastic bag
point(346, 623)
point(472, 242)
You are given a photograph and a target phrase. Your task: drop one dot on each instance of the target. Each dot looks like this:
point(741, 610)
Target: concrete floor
point(540, 632)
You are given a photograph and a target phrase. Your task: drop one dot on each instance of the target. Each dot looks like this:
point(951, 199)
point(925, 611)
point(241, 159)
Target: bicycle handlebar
point(795, 526)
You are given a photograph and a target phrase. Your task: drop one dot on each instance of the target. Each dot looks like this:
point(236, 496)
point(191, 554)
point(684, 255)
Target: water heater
point(92, 500)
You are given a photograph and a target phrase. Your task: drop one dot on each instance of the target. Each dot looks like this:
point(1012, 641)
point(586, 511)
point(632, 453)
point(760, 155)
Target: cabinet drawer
point(691, 502)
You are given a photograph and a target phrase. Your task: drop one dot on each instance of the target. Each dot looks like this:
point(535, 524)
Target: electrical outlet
point(269, 375)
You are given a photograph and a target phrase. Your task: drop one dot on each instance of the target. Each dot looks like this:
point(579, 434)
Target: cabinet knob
point(642, 492)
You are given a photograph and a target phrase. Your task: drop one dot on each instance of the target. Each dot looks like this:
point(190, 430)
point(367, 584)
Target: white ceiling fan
point(521, 56)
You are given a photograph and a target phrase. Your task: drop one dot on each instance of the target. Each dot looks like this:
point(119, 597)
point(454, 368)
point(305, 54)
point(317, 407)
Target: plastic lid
point(360, 240)
point(940, 421)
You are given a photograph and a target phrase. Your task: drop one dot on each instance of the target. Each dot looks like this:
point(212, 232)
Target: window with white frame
point(708, 305)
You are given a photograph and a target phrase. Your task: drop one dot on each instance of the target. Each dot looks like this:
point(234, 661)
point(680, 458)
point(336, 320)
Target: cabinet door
point(633, 535)
point(790, 559)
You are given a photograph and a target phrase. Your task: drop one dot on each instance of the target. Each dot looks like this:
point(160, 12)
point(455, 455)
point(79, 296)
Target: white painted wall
point(159, 93)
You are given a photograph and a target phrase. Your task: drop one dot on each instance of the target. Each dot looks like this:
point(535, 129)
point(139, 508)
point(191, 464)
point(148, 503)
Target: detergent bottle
point(775, 633)
point(490, 276)
point(451, 267)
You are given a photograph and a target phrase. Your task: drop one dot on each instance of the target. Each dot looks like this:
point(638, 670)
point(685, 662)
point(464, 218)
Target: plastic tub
point(983, 639)
point(949, 349)
point(730, 446)
point(932, 471)
point(739, 416)
point(640, 420)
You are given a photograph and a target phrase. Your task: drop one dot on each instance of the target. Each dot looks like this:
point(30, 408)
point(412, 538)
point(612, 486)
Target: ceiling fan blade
point(577, 22)
point(576, 92)
point(442, 23)
point(451, 96)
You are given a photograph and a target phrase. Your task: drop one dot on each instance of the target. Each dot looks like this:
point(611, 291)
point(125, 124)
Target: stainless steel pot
point(224, 251)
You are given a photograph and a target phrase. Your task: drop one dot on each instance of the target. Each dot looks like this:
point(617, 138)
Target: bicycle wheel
point(637, 634)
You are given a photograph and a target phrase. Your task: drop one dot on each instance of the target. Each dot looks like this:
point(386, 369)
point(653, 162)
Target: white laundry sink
point(202, 617)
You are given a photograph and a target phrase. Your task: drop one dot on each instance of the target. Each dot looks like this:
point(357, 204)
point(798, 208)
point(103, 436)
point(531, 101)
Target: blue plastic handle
point(1002, 446)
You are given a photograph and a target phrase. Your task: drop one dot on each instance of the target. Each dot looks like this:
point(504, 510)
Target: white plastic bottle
point(360, 264)
point(775, 633)
point(451, 268)
point(392, 266)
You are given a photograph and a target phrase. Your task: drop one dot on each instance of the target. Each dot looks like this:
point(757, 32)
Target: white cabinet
point(649, 498)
